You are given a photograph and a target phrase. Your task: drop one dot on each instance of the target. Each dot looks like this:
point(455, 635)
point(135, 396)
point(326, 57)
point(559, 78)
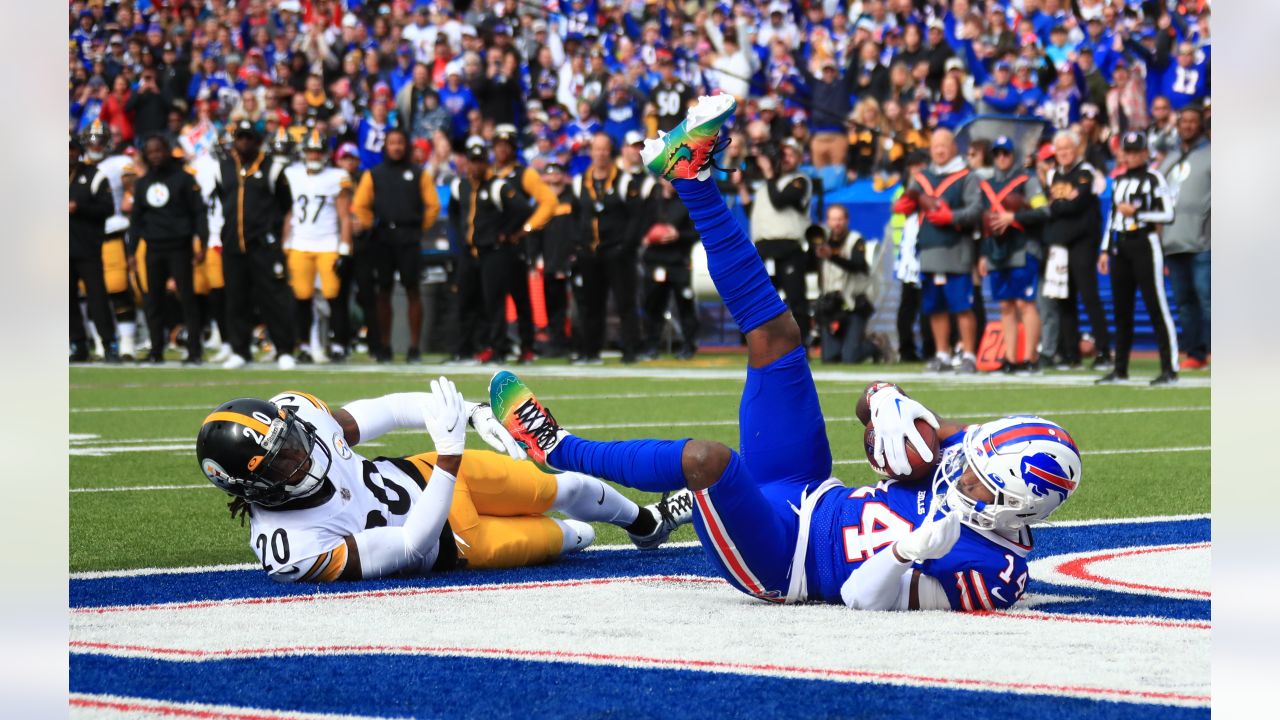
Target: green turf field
point(1145, 450)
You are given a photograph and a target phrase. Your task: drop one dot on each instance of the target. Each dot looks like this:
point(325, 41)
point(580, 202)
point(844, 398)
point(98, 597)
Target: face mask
point(315, 165)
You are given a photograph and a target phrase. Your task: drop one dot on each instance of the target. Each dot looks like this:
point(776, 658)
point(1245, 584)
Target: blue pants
point(745, 520)
point(1189, 273)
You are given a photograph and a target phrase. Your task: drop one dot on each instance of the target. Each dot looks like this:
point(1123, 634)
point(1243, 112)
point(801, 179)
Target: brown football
point(920, 469)
point(1015, 202)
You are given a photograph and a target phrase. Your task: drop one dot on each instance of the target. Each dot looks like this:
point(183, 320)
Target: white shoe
point(224, 352)
point(127, 349)
point(234, 362)
point(671, 512)
point(578, 535)
point(286, 362)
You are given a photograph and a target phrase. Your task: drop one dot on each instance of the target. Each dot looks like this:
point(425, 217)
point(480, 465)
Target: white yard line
point(188, 570)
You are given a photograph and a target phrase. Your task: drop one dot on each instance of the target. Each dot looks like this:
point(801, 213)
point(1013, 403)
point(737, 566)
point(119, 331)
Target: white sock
point(970, 356)
point(583, 497)
point(577, 535)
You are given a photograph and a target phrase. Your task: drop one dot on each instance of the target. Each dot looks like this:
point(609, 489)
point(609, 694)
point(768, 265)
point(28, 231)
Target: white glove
point(894, 417)
point(492, 431)
point(931, 540)
point(445, 415)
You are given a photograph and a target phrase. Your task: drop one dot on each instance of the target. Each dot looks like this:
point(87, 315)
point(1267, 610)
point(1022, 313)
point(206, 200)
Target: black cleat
point(1111, 378)
point(1102, 362)
point(1165, 378)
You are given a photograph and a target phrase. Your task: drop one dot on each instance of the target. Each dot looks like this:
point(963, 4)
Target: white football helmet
point(1030, 465)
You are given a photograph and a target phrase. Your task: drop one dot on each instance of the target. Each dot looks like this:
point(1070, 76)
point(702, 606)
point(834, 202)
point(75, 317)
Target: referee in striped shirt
point(1131, 254)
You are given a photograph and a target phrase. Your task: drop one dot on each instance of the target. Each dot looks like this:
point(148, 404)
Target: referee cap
point(1134, 141)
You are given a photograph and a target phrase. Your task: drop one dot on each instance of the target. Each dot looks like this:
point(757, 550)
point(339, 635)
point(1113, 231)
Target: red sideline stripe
point(172, 711)
point(865, 675)
point(406, 592)
point(1092, 619)
point(723, 548)
point(1079, 569)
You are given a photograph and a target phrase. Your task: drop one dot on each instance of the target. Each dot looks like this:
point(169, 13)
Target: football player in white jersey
point(209, 282)
point(120, 173)
point(319, 511)
point(317, 230)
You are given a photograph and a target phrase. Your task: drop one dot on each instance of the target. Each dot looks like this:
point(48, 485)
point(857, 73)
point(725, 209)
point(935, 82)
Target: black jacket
point(151, 113)
point(1069, 222)
point(563, 237)
point(168, 208)
point(609, 208)
point(91, 193)
point(484, 213)
point(254, 198)
point(672, 211)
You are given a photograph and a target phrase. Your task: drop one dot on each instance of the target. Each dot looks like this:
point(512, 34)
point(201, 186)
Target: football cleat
point(286, 362)
point(530, 424)
point(1165, 378)
point(234, 361)
point(687, 152)
point(1112, 377)
point(671, 512)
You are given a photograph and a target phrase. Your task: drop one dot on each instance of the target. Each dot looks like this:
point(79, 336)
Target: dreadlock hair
point(239, 507)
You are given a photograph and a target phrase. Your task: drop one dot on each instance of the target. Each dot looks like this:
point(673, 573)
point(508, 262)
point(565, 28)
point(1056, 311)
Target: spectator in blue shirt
point(402, 73)
point(998, 93)
point(209, 80)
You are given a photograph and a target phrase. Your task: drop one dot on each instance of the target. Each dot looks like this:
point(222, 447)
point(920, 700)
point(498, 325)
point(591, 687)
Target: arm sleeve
point(968, 215)
point(791, 196)
point(542, 194)
point(387, 550)
point(376, 417)
point(880, 583)
point(362, 203)
point(1161, 208)
point(430, 200)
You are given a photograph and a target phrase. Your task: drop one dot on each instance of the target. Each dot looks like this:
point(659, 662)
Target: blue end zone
point(421, 686)
point(673, 561)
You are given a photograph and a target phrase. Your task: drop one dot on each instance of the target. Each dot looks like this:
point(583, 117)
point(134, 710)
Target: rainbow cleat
point(530, 424)
point(688, 150)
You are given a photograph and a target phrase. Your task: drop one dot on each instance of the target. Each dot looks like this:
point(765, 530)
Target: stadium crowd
point(485, 156)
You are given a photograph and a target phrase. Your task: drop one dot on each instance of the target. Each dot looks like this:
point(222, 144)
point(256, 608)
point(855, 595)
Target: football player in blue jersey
point(772, 519)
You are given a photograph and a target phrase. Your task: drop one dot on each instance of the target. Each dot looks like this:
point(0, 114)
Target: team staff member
point(397, 201)
point(555, 246)
point(1073, 220)
point(354, 275)
point(317, 231)
point(779, 217)
point(486, 213)
point(1132, 255)
point(949, 200)
point(529, 188)
point(668, 269)
point(608, 264)
point(89, 206)
point(1011, 256)
point(255, 195)
point(168, 212)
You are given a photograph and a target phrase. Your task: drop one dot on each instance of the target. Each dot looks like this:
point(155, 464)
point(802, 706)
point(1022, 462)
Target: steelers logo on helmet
point(157, 195)
point(275, 455)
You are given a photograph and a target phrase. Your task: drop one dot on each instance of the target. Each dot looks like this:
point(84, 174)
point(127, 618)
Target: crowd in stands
point(550, 98)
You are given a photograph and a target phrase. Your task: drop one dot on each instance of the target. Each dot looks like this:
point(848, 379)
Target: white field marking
point(1089, 453)
point(1173, 571)
point(855, 461)
point(87, 706)
point(1147, 660)
point(691, 373)
point(105, 450)
point(141, 572)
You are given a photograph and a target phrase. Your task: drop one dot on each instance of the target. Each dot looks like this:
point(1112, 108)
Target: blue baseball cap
point(1004, 65)
point(1002, 143)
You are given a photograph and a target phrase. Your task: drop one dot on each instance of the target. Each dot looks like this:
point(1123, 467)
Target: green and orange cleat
point(530, 424)
point(688, 151)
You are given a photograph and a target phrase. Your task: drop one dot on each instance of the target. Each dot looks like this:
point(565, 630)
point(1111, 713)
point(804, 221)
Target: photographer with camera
point(844, 277)
point(779, 217)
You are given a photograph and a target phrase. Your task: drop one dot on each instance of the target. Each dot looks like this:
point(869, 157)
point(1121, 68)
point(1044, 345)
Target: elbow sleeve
point(412, 546)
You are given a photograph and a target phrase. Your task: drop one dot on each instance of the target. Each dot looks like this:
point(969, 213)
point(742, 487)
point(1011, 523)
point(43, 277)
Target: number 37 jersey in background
point(314, 220)
point(304, 539)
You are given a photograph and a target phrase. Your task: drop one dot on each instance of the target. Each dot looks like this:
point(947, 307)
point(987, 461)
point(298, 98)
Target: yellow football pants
point(497, 510)
point(204, 277)
point(115, 266)
point(303, 268)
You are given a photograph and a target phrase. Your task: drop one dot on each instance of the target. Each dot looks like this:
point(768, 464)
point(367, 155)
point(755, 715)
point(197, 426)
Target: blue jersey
point(982, 572)
point(370, 137)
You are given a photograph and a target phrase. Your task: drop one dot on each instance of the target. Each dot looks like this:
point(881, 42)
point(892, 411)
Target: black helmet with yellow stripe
point(260, 453)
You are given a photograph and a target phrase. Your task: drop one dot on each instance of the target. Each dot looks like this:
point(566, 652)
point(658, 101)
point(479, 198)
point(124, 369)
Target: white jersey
point(115, 168)
point(308, 543)
point(206, 167)
point(314, 224)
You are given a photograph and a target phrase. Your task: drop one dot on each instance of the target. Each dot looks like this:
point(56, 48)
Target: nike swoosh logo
point(996, 591)
point(602, 493)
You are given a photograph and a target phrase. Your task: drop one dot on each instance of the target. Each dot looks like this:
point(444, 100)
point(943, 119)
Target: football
point(920, 469)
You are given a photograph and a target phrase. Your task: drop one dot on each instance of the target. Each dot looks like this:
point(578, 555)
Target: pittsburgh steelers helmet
point(281, 144)
point(314, 141)
point(260, 453)
point(95, 139)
